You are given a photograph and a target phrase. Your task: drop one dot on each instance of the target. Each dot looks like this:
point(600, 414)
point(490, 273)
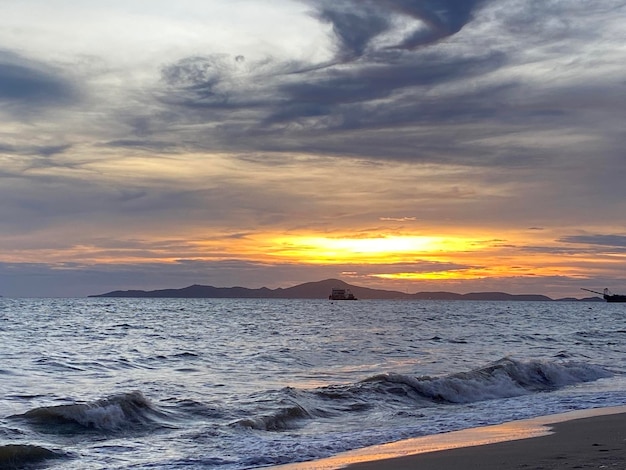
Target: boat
point(341, 294)
point(608, 295)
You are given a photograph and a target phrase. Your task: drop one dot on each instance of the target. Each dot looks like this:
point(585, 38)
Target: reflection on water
point(234, 384)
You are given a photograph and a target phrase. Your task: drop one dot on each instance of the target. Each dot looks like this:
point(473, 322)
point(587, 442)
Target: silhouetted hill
point(584, 299)
point(320, 290)
point(505, 296)
point(196, 291)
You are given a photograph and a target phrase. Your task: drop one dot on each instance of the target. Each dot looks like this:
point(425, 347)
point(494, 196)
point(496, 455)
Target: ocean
point(103, 383)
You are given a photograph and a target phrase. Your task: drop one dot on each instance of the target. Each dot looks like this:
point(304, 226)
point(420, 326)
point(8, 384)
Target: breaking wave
point(14, 456)
point(116, 413)
point(282, 420)
point(502, 379)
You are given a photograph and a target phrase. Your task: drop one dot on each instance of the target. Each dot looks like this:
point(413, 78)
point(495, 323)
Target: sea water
point(238, 384)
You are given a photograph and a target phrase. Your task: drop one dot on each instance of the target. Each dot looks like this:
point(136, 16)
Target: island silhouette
point(321, 289)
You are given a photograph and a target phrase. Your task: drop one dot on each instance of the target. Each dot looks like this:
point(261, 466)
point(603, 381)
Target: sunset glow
point(262, 143)
point(386, 249)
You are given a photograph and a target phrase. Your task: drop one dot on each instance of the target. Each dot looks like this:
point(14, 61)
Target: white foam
point(522, 429)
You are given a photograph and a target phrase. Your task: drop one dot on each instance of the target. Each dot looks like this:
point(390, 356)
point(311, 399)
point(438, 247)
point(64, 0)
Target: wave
point(14, 456)
point(115, 413)
point(190, 409)
point(57, 365)
point(502, 379)
point(285, 410)
point(281, 420)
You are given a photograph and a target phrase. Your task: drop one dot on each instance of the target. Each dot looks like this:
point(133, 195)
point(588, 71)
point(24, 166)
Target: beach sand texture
point(584, 439)
point(598, 442)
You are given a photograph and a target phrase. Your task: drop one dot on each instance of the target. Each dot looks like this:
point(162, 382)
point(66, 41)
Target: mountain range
point(321, 290)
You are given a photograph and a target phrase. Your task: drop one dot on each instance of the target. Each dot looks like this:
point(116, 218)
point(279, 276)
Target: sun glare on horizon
point(376, 249)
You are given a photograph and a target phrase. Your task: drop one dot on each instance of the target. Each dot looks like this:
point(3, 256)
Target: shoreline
point(593, 438)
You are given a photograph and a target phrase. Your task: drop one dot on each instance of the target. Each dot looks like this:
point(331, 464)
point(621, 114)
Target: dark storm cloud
point(343, 95)
point(444, 81)
point(287, 106)
point(353, 25)
point(441, 17)
point(357, 22)
point(372, 98)
point(29, 84)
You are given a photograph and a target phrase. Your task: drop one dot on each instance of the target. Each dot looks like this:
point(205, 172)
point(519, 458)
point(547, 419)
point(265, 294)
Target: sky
point(412, 145)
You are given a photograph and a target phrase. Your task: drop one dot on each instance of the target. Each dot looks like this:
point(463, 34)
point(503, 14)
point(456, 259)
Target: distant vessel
point(608, 295)
point(341, 294)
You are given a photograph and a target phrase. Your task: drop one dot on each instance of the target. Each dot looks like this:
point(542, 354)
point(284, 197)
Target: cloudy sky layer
point(416, 145)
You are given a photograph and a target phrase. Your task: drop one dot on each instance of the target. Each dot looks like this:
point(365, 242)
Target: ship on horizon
point(608, 295)
point(341, 294)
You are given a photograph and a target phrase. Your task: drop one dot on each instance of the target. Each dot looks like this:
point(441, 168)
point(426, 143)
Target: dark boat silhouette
point(341, 294)
point(608, 295)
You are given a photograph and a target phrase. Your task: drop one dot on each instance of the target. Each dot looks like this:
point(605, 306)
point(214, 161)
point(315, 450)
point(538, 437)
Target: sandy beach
point(598, 442)
point(577, 440)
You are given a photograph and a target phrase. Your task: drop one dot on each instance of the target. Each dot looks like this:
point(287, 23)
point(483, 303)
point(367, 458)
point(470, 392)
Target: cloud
point(614, 241)
point(35, 150)
point(312, 115)
point(398, 219)
point(354, 25)
point(442, 81)
point(73, 279)
point(62, 279)
point(473, 92)
point(362, 104)
point(280, 107)
point(357, 23)
point(441, 18)
point(28, 85)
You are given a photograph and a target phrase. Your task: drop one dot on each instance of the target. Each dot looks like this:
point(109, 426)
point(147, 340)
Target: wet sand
point(598, 442)
point(577, 440)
